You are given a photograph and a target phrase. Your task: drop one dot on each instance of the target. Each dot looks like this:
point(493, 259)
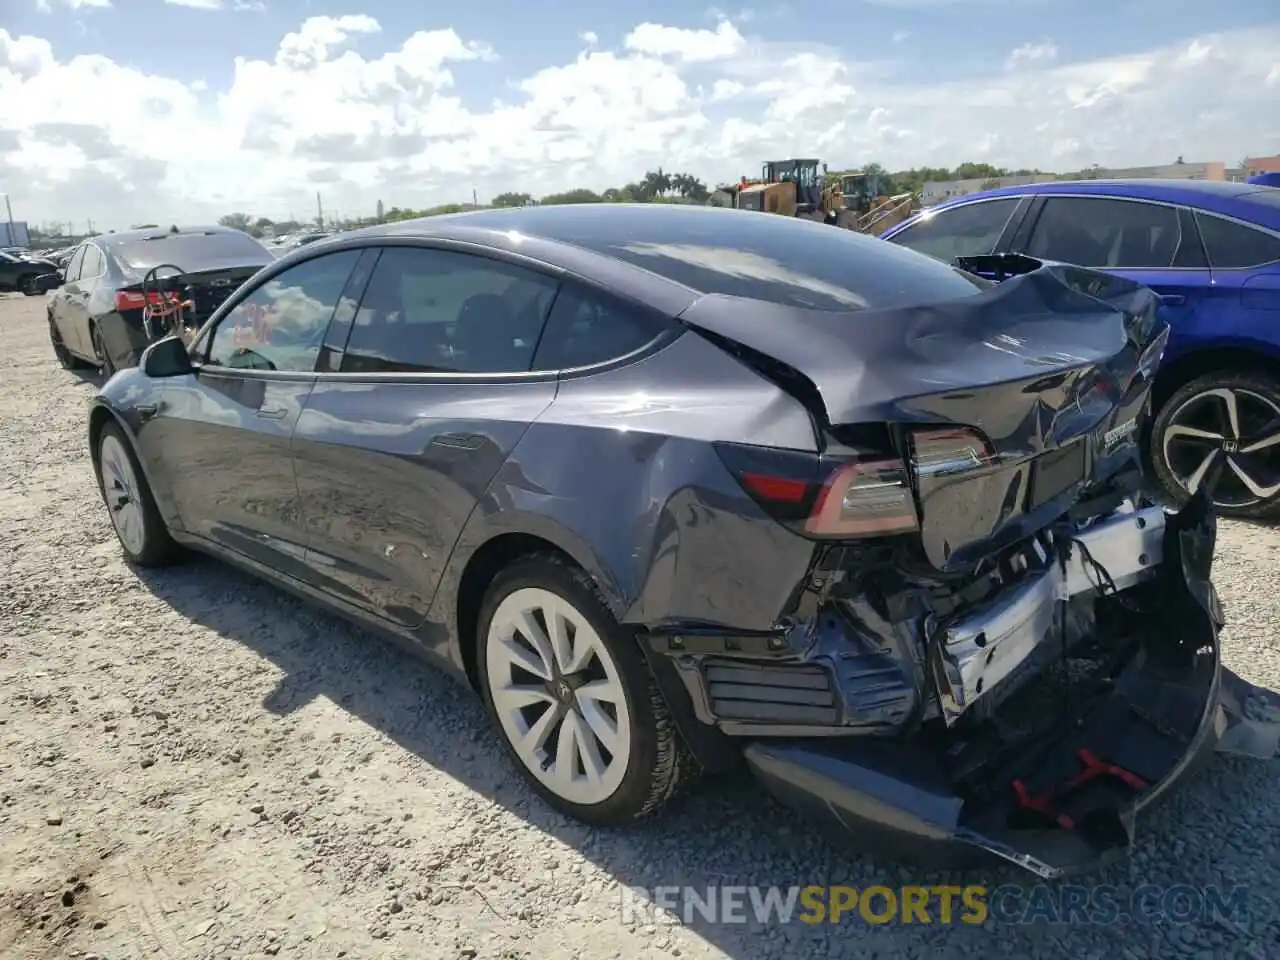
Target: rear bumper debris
point(1067, 803)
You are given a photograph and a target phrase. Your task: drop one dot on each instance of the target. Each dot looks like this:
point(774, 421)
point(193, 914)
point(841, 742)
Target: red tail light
point(133, 300)
point(822, 497)
point(847, 498)
point(864, 499)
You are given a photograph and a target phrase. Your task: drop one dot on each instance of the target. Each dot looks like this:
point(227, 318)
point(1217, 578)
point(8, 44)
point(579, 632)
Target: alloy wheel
point(1228, 440)
point(120, 490)
point(558, 695)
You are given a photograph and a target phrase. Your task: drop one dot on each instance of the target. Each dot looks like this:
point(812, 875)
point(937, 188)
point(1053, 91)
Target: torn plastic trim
point(972, 653)
point(1159, 715)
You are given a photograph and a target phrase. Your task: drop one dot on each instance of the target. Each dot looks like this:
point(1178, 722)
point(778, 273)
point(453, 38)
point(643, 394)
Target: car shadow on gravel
point(725, 831)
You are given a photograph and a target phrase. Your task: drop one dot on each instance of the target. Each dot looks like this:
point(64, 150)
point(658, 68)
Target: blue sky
point(904, 82)
point(949, 38)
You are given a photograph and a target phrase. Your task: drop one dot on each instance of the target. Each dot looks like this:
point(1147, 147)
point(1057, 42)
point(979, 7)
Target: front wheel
point(572, 697)
point(137, 522)
point(66, 359)
point(29, 285)
point(1221, 433)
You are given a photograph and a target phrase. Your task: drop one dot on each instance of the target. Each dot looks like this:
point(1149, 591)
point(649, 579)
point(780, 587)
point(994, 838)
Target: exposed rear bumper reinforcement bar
point(978, 651)
point(1170, 707)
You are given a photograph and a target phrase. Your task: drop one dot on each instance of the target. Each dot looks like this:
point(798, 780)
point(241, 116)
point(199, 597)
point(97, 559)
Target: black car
point(122, 291)
point(23, 274)
point(670, 486)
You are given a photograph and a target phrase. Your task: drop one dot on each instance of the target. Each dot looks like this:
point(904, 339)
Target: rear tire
point(142, 532)
point(27, 284)
point(104, 357)
point(582, 718)
point(1196, 439)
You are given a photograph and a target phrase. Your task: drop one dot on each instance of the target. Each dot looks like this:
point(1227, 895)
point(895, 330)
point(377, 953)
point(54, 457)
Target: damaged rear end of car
point(1002, 645)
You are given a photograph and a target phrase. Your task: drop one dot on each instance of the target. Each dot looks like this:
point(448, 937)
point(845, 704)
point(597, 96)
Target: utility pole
point(475, 200)
point(9, 207)
point(319, 212)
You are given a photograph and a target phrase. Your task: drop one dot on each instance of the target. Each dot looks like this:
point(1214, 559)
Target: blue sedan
point(1211, 250)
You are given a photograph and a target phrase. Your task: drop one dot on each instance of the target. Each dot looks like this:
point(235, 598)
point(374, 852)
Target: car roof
point(1247, 201)
point(670, 255)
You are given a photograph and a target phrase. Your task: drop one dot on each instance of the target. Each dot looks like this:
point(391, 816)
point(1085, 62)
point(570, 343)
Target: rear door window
point(968, 230)
point(1230, 244)
point(587, 328)
point(1106, 232)
point(440, 311)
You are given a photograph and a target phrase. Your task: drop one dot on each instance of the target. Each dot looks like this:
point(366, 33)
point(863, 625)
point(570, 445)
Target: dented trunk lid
point(1052, 367)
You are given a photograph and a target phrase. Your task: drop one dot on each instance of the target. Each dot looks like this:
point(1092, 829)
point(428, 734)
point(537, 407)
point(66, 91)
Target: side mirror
point(166, 358)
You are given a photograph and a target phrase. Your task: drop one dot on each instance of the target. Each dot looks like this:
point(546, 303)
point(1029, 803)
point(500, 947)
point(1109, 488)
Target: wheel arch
point(474, 573)
point(1260, 358)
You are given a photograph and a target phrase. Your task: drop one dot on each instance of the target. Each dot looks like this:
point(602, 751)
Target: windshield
point(191, 251)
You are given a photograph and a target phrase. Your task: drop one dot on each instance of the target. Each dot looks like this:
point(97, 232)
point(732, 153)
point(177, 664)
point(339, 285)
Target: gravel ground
point(195, 765)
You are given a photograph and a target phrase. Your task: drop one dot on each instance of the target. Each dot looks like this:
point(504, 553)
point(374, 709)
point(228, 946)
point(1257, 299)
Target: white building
point(936, 191)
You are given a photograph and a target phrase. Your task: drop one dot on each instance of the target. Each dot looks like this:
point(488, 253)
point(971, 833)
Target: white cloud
point(197, 4)
point(317, 114)
point(902, 36)
point(589, 37)
point(1030, 54)
point(46, 6)
point(691, 46)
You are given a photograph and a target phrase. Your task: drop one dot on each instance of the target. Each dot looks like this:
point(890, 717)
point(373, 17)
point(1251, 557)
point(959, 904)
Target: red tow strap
point(1093, 769)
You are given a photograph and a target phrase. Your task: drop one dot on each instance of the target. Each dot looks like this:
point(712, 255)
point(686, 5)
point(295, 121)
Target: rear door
point(1155, 244)
point(1245, 261)
point(964, 230)
point(432, 393)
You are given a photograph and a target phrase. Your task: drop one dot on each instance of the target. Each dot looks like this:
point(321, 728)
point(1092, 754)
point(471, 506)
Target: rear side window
point(1229, 244)
point(92, 265)
point(586, 328)
point(1107, 233)
point(968, 230)
point(440, 311)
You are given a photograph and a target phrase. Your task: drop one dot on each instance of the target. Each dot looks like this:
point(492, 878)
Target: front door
point(222, 435)
point(433, 392)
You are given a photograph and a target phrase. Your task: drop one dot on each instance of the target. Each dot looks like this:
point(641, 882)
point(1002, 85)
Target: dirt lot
point(194, 765)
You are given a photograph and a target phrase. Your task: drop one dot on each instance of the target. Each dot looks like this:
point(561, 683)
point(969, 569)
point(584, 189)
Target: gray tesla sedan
point(671, 487)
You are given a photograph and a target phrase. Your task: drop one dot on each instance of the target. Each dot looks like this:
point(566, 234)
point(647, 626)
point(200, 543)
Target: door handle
point(1172, 299)
point(147, 410)
point(273, 413)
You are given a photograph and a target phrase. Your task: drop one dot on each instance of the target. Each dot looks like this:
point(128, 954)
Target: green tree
point(581, 195)
point(237, 221)
point(512, 200)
